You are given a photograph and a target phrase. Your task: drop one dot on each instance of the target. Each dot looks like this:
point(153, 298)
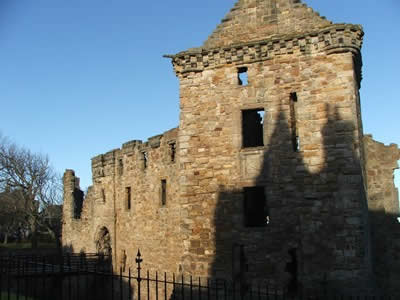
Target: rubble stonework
point(383, 205)
point(292, 207)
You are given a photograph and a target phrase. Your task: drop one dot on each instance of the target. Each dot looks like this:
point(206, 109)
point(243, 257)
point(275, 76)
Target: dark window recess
point(296, 144)
point(128, 197)
point(120, 167)
point(78, 196)
point(163, 192)
point(293, 122)
point(172, 151)
point(253, 127)
point(145, 159)
point(103, 195)
point(243, 76)
point(256, 212)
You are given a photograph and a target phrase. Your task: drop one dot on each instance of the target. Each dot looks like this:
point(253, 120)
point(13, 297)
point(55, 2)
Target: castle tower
point(271, 182)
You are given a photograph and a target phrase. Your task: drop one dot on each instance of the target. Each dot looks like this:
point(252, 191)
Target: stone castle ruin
point(268, 176)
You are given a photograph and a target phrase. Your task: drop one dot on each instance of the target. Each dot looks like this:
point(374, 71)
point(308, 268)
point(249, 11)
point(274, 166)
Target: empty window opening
point(172, 151)
point(120, 166)
point(145, 159)
point(296, 144)
point(243, 76)
point(163, 192)
point(293, 97)
point(256, 212)
point(293, 122)
point(253, 127)
point(128, 198)
point(291, 268)
point(78, 197)
point(103, 195)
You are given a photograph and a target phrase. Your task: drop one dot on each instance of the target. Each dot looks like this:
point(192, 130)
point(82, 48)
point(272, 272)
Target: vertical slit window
point(293, 122)
point(163, 192)
point(253, 127)
point(103, 195)
point(128, 197)
point(172, 151)
point(120, 167)
point(145, 159)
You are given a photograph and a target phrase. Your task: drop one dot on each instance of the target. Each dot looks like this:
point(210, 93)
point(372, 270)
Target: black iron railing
point(90, 277)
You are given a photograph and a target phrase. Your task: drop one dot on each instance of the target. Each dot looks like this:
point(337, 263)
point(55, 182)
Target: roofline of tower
point(335, 38)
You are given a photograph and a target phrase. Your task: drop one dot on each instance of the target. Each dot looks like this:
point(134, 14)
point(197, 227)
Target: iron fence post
point(120, 283)
point(129, 286)
point(139, 279)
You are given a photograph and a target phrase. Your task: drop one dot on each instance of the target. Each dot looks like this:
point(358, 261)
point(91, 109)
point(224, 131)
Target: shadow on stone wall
point(385, 247)
point(319, 234)
point(317, 216)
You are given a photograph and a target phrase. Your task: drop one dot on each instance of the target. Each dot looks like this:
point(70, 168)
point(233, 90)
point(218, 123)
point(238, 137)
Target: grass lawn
point(4, 295)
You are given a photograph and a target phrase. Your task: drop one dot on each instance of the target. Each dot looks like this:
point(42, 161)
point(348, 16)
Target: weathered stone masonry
point(273, 168)
point(383, 204)
point(106, 204)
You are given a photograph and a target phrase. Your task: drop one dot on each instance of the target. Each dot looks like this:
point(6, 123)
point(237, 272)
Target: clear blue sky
point(81, 77)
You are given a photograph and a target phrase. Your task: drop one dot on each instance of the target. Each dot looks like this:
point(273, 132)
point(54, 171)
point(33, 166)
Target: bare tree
point(39, 186)
point(12, 215)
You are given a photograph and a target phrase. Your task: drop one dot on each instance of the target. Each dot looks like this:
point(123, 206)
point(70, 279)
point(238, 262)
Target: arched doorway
point(103, 242)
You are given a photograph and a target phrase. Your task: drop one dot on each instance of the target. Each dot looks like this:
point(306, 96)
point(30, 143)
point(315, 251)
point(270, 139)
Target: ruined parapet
point(72, 210)
point(68, 194)
point(338, 38)
point(73, 196)
point(103, 164)
point(381, 162)
point(383, 202)
point(112, 162)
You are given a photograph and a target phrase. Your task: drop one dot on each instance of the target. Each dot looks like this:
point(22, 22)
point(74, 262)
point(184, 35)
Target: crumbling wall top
point(105, 163)
point(388, 153)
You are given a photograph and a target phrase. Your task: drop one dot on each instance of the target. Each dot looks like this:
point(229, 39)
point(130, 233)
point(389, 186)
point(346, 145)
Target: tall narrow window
point(145, 159)
point(103, 195)
point(253, 127)
point(163, 192)
point(242, 76)
point(128, 197)
point(256, 212)
point(172, 149)
point(293, 122)
point(120, 167)
point(78, 197)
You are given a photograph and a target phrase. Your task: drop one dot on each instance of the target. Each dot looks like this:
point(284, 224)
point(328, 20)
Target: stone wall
point(265, 179)
point(145, 222)
point(383, 204)
point(315, 196)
